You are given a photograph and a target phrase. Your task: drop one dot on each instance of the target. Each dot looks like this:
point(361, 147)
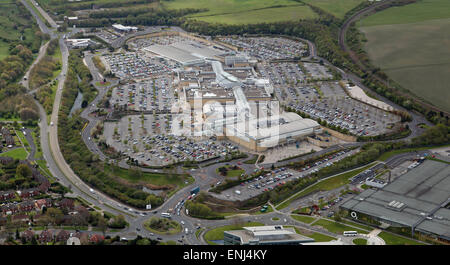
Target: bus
point(195, 190)
point(350, 233)
point(166, 215)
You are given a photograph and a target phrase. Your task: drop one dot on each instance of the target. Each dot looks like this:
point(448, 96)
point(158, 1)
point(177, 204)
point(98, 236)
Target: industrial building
point(417, 201)
point(79, 43)
point(122, 28)
point(265, 235)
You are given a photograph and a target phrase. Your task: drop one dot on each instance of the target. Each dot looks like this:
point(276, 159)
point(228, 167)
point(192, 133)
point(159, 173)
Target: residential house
point(83, 237)
point(28, 235)
point(9, 209)
point(63, 235)
point(27, 206)
point(20, 217)
point(96, 238)
point(67, 220)
point(7, 195)
point(66, 204)
point(7, 137)
point(81, 210)
point(27, 193)
point(46, 236)
point(6, 160)
point(40, 204)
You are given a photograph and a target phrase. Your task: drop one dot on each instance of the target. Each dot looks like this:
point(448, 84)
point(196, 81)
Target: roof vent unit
point(396, 205)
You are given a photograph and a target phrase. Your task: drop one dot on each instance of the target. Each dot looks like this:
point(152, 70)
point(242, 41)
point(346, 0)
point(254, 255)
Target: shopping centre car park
point(141, 43)
point(338, 109)
point(155, 146)
point(278, 177)
point(133, 65)
point(316, 71)
point(267, 48)
point(142, 96)
point(107, 36)
point(332, 105)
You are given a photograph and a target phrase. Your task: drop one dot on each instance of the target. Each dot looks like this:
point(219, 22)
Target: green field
point(337, 228)
point(360, 241)
point(303, 219)
point(15, 27)
point(318, 237)
point(389, 154)
point(217, 233)
point(264, 15)
point(244, 11)
point(22, 138)
point(366, 227)
point(152, 178)
point(338, 8)
point(391, 239)
point(410, 43)
point(4, 49)
point(18, 153)
point(422, 10)
point(232, 173)
point(225, 6)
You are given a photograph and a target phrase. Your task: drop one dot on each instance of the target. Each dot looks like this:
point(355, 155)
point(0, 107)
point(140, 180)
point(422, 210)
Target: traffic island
point(162, 226)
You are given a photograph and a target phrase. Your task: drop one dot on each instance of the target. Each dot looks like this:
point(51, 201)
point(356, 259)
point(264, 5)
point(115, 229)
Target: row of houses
point(19, 212)
point(26, 206)
point(47, 236)
point(44, 183)
point(8, 139)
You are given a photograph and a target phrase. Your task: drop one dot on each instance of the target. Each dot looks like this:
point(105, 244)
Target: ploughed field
point(411, 44)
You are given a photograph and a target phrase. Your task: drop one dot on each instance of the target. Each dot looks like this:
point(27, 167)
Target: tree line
point(42, 73)
point(13, 100)
point(83, 162)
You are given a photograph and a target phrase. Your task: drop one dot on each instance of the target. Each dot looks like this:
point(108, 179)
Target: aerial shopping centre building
point(225, 97)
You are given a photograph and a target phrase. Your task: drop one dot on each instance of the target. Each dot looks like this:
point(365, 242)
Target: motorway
point(64, 174)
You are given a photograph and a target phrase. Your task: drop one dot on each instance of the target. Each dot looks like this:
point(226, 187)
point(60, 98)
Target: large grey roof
point(424, 191)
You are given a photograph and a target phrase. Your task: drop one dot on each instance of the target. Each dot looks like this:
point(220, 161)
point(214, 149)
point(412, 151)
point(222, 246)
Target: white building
point(122, 28)
point(265, 235)
point(79, 43)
